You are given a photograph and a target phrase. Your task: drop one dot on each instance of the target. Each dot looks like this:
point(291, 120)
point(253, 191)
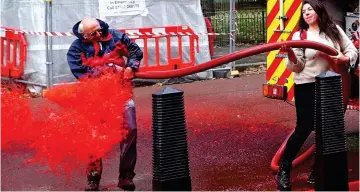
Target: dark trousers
point(128, 154)
point(304, 102)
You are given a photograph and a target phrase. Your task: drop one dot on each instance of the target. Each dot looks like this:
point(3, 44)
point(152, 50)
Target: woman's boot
point(311, 177)
point(283, 180)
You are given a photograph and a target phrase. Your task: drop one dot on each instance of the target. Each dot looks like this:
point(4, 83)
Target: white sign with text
point(121, 7)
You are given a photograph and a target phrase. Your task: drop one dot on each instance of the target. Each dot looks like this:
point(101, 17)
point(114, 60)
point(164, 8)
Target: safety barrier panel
point(13, 37)
point(13, 53)
point(167, 32)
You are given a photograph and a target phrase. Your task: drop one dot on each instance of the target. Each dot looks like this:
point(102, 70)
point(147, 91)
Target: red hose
point(238, 55)
point(354, 186)
point(242, 54)
point(235, 56)
point(279, 153)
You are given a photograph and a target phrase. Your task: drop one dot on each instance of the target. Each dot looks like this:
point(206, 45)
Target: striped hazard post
point(282, 23)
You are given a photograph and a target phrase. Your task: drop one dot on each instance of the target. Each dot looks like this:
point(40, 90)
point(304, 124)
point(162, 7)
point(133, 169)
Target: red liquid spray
point(73, 122)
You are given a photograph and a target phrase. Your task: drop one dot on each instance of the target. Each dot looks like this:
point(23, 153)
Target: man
point(98, 48)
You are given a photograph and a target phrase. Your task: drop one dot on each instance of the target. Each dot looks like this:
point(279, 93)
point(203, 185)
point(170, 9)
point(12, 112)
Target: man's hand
point(290, 53)
point(128, 73)
point(115, 60)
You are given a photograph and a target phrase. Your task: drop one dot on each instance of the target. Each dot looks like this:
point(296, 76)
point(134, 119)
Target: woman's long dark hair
point(326, 24)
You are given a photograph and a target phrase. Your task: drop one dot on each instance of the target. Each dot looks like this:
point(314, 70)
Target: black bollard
point(170, 151)
point(331, 171)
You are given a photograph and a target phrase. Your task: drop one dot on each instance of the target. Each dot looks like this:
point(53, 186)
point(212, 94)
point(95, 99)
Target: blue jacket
point(87, 48)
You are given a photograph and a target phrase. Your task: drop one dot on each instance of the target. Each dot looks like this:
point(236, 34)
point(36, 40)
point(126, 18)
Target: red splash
point(73, 122)
point(15, 115)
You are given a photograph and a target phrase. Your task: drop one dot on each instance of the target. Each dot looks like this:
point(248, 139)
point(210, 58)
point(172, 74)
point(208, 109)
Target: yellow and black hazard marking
point(282, 23)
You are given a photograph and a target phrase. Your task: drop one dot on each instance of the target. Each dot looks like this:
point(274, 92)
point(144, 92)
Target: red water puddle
point(205, 119)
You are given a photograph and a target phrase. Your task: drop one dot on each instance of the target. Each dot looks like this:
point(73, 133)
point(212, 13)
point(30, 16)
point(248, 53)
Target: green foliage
point(250, 26)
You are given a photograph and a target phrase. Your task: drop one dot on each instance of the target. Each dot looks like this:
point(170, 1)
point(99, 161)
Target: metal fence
point(250, 20)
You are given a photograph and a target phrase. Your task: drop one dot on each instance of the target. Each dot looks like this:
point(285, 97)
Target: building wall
point(337, 9)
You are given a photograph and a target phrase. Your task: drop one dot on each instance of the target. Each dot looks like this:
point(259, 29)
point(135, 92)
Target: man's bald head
point(88, 25)
point(90, 29)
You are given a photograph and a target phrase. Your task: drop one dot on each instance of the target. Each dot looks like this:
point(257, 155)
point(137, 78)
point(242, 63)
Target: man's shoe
point(93, 181)
point(92, 186)
point(126, 184)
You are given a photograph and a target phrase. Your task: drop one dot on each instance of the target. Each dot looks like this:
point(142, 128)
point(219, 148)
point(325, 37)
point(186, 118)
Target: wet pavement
point(233, 133)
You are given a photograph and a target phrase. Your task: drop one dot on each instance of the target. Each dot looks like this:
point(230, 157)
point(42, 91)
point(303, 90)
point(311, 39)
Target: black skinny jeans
point(304, 101)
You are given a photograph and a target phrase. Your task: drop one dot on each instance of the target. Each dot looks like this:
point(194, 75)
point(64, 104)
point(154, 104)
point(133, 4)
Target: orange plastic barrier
point(13, 53)
point(168, 32)
point(14, 46)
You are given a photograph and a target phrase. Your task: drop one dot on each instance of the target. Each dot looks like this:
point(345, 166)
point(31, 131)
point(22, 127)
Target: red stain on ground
point(78, 120)
point(206, 119)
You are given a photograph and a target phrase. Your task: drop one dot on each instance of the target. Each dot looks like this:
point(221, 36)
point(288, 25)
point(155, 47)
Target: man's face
point(92, 31)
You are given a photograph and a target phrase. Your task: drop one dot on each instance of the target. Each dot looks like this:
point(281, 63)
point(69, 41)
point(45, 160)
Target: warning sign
point(120, 7)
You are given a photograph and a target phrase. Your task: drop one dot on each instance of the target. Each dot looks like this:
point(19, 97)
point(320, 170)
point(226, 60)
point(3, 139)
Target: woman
point(307, 64)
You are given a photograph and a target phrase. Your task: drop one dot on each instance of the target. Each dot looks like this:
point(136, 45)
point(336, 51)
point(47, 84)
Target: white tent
point(31, 15)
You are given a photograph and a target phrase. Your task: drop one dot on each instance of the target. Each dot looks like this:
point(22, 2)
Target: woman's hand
point(338, 63)
point(340, 59)
point(290, 53)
